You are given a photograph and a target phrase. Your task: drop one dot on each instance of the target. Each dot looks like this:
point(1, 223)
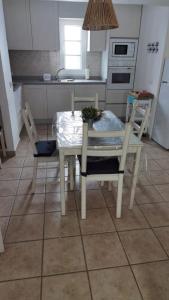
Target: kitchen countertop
point(39, 80)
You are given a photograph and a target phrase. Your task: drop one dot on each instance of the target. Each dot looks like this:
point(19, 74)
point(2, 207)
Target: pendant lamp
point(100, 15)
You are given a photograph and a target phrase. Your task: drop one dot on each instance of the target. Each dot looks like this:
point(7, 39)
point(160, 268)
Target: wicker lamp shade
point(100, 15)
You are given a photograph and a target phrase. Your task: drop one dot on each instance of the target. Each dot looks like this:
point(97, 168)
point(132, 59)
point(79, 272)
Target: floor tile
point(153, 280)
point(6, 204)
point(52, 202)
point(141, 246)
point(21, 289)
point(157, 214)
point(63, 255)
point(25, 186)
point(158, 177)
point(164, 191)
point(28, 204)
point(131, 219)
point(21, 260)
point(153, 165)
point(8, 188)
point(25, 228)
point(147, 194)
point(10, 173)
point(14, 162)
point(27, 173)
point(111, 196)
point(97, 221)
point(163, 235)
point(114, 284)
point(163, 163)
point(103, 250)
point(53, 185)
point(94, 199)
point(57, 225)
point(3, 225)
point(67, 287)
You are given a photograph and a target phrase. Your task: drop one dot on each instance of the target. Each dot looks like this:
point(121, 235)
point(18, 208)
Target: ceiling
point(139, 2)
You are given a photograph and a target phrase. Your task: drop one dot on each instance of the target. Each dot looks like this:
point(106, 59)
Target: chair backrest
point(120, 150)
point(30, 126)
point(143, 114)
point(75, 99)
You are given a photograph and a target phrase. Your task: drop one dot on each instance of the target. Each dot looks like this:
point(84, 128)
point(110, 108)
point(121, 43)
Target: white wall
point(7, 103)
point(154, 26)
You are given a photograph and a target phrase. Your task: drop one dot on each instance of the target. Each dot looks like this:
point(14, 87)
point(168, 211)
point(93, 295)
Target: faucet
point(57, 73)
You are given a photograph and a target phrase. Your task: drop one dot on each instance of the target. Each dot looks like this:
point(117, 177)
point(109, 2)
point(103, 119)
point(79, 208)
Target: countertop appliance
point(120, 78)
point(161, 123)
point(122, 52)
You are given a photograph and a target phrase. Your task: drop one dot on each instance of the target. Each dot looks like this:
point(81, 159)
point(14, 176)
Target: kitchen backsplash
point(39, 62)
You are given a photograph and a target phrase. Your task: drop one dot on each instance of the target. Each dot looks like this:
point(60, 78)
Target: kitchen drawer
point(116, 96)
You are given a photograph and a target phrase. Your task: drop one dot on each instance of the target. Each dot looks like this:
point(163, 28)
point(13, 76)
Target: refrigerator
point(161, 123)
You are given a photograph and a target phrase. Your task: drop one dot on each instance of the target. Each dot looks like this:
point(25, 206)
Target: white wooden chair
point(1, 242)
point(75, 99)
point(140, 127)
point(43, 150)
point(103, 162)
point(2, 140)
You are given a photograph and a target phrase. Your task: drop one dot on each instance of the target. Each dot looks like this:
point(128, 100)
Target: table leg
point(62, 181)
point(135, 175)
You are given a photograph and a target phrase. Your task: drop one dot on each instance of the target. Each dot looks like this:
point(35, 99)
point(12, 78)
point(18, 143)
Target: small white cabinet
point(35, 95)
point(45, 25)
point(96, 41)
point(58, 99)
point(18, 25)
point(128, 17)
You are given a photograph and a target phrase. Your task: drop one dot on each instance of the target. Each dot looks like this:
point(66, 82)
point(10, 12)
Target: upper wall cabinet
point(96, 41)
point(45, 25)
point(18, 26)
point(129, 17)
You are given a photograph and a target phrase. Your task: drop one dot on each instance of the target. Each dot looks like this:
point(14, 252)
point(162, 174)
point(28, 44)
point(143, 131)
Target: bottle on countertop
point(87, 73)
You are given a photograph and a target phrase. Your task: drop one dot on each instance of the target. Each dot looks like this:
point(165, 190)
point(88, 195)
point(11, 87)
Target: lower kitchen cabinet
point(116, 101)
point(89, 90)
point(35, 95)
point(58, 99)
point(118, 109)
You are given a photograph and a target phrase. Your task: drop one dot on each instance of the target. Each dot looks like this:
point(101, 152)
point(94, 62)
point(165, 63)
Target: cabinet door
point(128, 17)
point(89, 90)
point(118, 109)
point(45, 25)
point(35, 95)
point(18, 25)
point(96, 41)
point(58, 99)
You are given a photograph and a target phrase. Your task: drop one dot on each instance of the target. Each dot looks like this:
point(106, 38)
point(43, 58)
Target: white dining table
point(69, 140)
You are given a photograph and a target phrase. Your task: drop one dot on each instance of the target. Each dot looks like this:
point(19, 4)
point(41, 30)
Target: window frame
point(79, 22)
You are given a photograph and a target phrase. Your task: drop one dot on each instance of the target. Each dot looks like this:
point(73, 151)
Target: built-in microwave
point(120, 78)
point(122, 52)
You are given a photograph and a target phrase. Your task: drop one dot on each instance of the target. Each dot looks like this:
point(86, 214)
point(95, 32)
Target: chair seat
point(46, 148)
point(101, 165)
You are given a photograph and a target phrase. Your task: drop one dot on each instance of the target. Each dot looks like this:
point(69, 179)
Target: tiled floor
point(50, 257)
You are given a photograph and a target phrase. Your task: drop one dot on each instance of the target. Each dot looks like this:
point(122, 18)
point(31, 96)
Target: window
point(73, 46)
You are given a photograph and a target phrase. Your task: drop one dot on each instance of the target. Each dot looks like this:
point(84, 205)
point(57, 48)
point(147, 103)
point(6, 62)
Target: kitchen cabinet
point(116, 96)
point(89, 90)
point(96, 41)
point(118, 109)
point(45, 25)
point(128, 17)
point(18, 25)
point(58, 99)
point(35, 95)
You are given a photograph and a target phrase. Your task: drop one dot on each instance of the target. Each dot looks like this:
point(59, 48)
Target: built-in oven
point(122, 52)
point(120, 78)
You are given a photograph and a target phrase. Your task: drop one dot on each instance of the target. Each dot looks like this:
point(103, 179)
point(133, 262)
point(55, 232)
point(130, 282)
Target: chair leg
point(3, 143)
point(102, 183)
point(83, 197)
point(34, 174)
point(71, 172)
point(119, 196)
point(0, 163)
point(1, 242)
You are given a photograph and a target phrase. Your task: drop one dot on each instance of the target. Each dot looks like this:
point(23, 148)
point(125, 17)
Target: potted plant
point(89, 114)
